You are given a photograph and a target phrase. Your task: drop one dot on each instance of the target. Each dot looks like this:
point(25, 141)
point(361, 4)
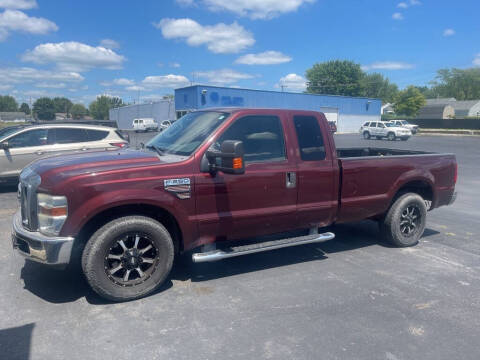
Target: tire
point(397, 226)
point(391, 136)
point(103, 254)
point(366, 135)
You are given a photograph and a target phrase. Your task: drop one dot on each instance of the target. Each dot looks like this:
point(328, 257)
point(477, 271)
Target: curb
point(448, 132)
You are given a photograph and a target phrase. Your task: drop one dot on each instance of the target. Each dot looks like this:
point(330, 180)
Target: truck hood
point(56, 168)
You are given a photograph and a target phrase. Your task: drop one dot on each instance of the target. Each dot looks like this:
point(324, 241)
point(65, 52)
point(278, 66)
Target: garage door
point(330, 113)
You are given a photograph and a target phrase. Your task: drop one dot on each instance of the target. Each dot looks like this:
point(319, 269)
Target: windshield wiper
point(156, 148)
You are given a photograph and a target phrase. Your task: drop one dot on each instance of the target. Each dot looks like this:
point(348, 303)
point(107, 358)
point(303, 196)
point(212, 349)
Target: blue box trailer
point(349, 113)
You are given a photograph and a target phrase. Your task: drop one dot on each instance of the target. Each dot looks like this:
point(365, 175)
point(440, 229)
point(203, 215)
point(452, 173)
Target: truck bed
point(369, 151)
point(370, 177)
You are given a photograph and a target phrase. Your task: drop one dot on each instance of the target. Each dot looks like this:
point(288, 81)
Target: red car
point(211, 179)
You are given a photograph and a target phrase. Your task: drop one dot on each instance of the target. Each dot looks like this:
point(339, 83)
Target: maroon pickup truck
point(210, 180)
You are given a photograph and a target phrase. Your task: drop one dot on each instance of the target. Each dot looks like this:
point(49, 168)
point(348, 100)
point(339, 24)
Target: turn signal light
point(53, 211)
point(237, 163)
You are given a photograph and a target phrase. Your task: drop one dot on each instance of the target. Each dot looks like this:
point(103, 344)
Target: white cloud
point(264, 58)
point(223, 76)
point(255, 9)
point(476, 61)
point(18, 4)
point(123, 82)
point(407, 4)
point(292, 82)
point(74, 56)
point(4, 87)
point(220, 38)
point(448, 32)
point(15, 20)
point(47, 85)
point(388, 65)
point(19, 75)
point(165, 81)
point(175, 65)
point(185, 2)
point(135, 88)
point(110, 44)
point(397, 16)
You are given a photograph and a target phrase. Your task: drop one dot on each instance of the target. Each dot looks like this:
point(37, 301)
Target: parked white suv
point(145, 124)
point(381, 129)
point(25, 144)
point(404, 123)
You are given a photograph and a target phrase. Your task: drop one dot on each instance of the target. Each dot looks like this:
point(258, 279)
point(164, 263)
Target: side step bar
point(216, 255)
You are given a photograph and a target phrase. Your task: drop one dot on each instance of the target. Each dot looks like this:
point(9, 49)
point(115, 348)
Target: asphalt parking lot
point(353, 297)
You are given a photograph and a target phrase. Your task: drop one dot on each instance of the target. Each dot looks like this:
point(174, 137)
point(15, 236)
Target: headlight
point(52, 213)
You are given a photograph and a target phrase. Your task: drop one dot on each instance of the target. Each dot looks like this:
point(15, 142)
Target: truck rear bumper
point(40, 248)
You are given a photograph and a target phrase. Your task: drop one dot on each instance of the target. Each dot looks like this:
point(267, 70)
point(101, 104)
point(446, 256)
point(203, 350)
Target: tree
point(62, 105)
point(8, 103)
point(100, 107)
point(44, 109)
point(427, 92)
point(461, 84)
point(336, 78)
point(78, 111)
point(25, 108)
point(378, 86)
point(409, 101)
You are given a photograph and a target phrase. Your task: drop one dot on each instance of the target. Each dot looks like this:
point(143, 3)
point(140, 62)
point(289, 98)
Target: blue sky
point(146, 48)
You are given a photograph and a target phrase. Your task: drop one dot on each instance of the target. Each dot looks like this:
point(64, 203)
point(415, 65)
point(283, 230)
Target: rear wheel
point(405, 220)
point(366, 135)
point(391, 136)
point(128, 258)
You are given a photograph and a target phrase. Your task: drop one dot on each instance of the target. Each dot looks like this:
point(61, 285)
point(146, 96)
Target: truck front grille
point(28, 206)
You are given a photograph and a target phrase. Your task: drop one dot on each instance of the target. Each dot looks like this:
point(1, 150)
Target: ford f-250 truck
point(211, 179)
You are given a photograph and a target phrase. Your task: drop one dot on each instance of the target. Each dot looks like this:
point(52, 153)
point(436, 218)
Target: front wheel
point(128, 258)
point(366, 135)
point(391, 136)
point(405, 220)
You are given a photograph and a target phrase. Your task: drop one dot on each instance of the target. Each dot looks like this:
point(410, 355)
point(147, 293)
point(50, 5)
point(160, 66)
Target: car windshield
point(390, 124)
point(8, 130)
point(404, 122)
point(185, 135)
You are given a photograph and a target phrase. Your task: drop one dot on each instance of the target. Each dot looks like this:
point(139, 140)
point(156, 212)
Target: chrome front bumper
point(38, 247)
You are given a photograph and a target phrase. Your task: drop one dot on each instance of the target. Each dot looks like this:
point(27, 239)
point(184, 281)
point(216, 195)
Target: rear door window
point(70, 136)
point(262, 138)
point(310, 139)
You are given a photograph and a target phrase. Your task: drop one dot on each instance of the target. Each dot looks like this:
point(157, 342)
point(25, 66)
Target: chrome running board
point(216, 255)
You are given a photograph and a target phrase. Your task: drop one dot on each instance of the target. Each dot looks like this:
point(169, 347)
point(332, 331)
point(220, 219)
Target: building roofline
point(279, 92)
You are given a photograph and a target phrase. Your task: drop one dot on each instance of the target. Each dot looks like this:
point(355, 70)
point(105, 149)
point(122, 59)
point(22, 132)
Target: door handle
point(84, 149)
point(291, 180)
point(39, 152)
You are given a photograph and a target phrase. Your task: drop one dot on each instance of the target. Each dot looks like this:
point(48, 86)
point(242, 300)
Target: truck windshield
point(185, 135)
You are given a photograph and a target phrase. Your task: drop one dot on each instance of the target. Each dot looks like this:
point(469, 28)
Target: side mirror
point(4, 145)
point(231, 158)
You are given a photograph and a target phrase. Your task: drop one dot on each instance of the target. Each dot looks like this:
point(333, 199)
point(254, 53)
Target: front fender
point(84, 211)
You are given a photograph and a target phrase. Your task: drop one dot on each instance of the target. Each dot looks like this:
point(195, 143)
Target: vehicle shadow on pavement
point(67, 286)
point(15, 343)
